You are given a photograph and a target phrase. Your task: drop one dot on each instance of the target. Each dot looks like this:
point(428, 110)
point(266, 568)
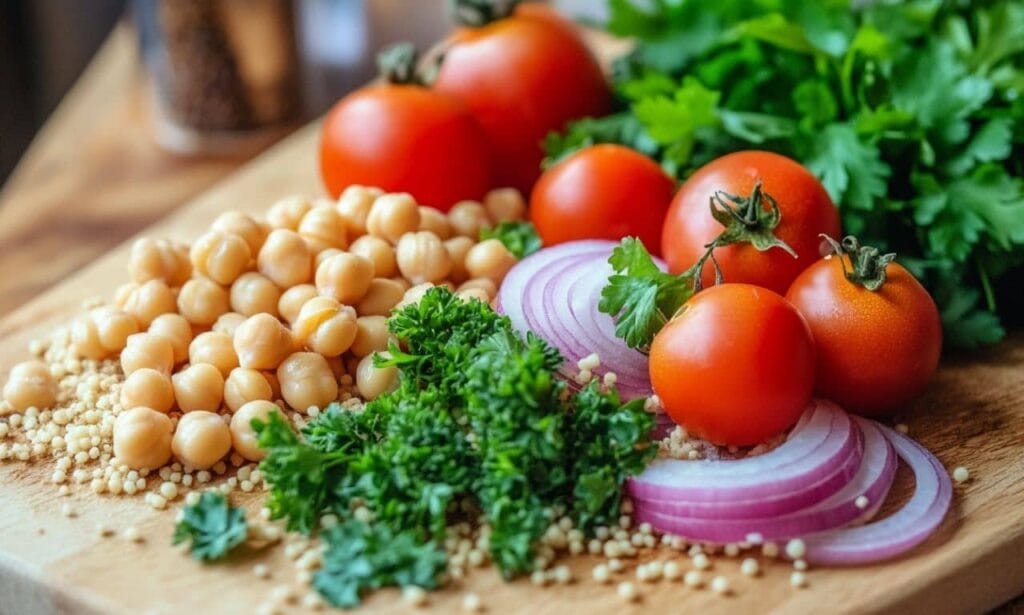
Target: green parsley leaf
point(213, 527)
point(519, 237)
point(361, 557)
point(639, 296)
point(851, 170)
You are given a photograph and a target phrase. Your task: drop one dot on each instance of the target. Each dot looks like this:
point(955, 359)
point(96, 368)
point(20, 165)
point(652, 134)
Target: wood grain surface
point(973, 415)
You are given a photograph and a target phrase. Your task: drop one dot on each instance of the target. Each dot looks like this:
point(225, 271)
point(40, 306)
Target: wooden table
point(94, 177)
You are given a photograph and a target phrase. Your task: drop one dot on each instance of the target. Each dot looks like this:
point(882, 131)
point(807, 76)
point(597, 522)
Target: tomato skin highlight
point(602, 192)
point(877, 350)
point(405, 138)
point(807, 212)
point(736, 366)
point(522, 77)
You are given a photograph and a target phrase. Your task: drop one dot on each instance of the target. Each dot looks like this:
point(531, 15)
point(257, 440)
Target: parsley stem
point(986, 285)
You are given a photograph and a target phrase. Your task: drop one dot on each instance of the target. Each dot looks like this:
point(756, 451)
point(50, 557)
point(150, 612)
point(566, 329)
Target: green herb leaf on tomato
point(519, 237)
point(640, 296)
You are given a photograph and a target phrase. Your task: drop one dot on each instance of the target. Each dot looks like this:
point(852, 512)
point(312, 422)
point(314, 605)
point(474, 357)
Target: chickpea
point(262, 342)
point(467, 218)
point(371, 335)
point(379, 251)
point(102, 332)
point(245, 385)
point(159, 259)
point(275, 384)
point(30, 385)
point(228, 323)
point(122, 292)
point(214, 348)
point(243, 225)
point(307, 381)
point(323, 255)
point(505, 205)
point(201, 439)
point(243, 436)
point(457, 248)
point(253, 293)
point(337, 365)
point(373, 381)
point(485, 284)
point(392, 216)
point(474, 293)
point(147, 350)
point(142, 438)
point(354, 207)
point(200, 386)
point(435, 221)
point(150, 388)
point(423, 258)
point(287, 213)
point(176, 330)
point(222, 257)
point(413, 295)
point(325, 326)
point(383, 295)
point(293, 299)
point(149, 300)
point(323, 228)
point(489, 259)
point(345, 277)
point(202, 301)
point(285, 259)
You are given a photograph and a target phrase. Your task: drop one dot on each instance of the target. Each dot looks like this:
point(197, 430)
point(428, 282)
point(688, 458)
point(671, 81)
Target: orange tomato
point(602, 192)
point(736, 366)
point(807, 211)
point(877, 350)
point(523, 76)
point(405, 138)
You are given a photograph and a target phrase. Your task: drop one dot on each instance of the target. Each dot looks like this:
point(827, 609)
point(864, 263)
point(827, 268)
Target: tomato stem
point(750, 220)
point(397, 64)
point(866, 263)
point(477, 13)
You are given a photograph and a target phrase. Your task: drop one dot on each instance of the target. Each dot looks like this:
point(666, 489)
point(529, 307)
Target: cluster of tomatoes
point(499, 89)
point(740, 361)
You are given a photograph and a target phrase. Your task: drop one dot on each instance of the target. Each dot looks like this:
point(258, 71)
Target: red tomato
point(807, 211)
point(405, 138)
point(736, 366)
point(877, 350)
point(602, 192)
point(523, 76)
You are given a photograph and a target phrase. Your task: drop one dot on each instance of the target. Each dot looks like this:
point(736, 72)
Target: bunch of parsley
point(909, 112)
point(480, 425)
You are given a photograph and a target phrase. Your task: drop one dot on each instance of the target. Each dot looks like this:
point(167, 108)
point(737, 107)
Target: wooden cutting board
point(973, 415)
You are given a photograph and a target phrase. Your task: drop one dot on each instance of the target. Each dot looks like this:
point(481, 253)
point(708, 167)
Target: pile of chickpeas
point(260, 315)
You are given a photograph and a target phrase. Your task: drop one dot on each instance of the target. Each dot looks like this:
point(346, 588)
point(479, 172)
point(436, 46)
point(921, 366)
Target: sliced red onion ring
point(820, 443)
point(872, 480)
point(901, 531)
point(555, 293)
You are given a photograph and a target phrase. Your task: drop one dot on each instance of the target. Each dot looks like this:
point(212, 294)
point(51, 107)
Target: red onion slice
point(903, 530)
point(820, 442)
point(543, 294)
point(872, 480)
